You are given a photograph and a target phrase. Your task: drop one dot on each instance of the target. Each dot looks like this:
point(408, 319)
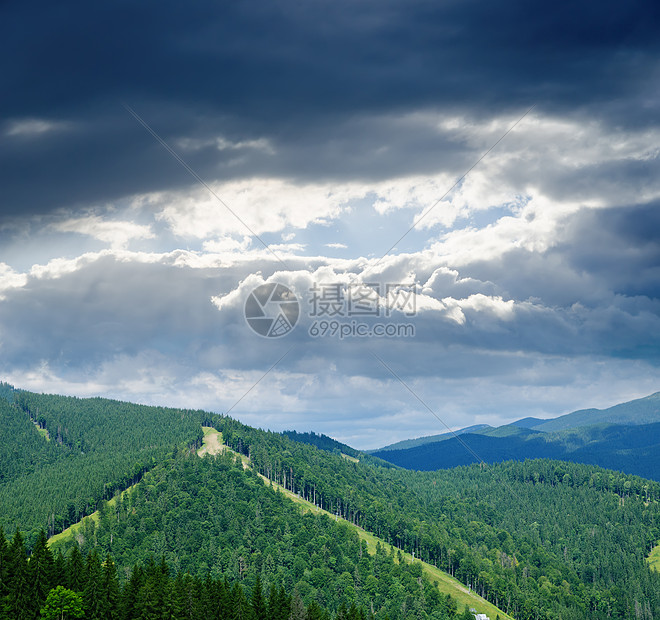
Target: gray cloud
point(309, 79)
point(539, 275)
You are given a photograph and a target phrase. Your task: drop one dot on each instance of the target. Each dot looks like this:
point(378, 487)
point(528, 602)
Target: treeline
point(210, 518)
point(57, 587)
point(323, 442)
point(539, 539)
point(94, 448)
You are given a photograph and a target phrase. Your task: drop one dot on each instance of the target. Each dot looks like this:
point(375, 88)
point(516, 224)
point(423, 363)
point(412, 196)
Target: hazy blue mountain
point(419, 441)
point(528, 422)
point(633, 449)
point(635, 412)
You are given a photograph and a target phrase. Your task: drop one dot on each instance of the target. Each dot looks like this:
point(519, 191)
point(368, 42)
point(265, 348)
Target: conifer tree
point(239, 606)
point(298, 611)
point(76, 578)
point(223, 598)
point(258, 603)
point(130, 594)
point(4, 569)
point(59, 570)
point(18, 606)
point(92, 593)
point(279, 604)
point(41, 571)
point(109, 590)
point(179, 599)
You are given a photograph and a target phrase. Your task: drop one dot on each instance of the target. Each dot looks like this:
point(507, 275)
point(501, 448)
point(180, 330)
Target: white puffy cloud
point(10, 279)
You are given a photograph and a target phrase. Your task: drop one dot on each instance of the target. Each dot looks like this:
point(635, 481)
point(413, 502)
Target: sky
point(452, 207)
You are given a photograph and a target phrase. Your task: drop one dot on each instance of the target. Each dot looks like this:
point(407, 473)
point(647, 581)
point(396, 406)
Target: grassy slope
point(654, 558)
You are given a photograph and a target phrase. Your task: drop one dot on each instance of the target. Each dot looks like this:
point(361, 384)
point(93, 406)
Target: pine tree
point(239, 606)
point(298, 611)
point(109, 590)
point(41, 571)
point(223, 599)
point(279, 604)
point(130, 594)
point(75, 570)
point(314, 612)
point(258, 603)
point(153, 597)
point(93, 592)
point(4, 569)
point(19, 606)
point(59, 571)
point(181, 597)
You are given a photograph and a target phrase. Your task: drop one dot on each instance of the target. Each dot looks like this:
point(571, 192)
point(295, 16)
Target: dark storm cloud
point(295, 74)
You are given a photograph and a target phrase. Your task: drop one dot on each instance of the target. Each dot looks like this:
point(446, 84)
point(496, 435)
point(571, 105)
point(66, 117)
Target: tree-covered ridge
point(210, 517)
point(540, 539)
point(323, 442)
point(97, 446)
point(7, 392)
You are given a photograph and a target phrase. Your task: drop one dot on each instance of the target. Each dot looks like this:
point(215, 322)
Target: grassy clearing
point(654, 558)
point(70, 532)
point(42, 431)
point(212, 443)
point(352, 459)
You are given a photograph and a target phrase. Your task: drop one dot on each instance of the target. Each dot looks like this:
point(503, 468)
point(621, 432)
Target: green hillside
point(539, 539)
point(96, 446)
point(446, 584)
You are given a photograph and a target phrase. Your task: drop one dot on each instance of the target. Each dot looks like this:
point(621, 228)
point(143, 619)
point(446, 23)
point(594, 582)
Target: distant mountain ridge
point(625, 437)
point(635, 412)
point(418, 441)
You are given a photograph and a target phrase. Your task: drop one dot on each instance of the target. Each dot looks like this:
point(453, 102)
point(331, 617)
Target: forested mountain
point(210, 517)
point(640, 411)
point(540, 539)
point(55, 587)
point(87, 449)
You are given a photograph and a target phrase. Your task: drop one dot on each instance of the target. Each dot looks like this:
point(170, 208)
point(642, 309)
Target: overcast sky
point(149, 154)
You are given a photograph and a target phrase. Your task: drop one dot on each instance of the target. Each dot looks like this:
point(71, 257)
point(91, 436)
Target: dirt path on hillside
point(212, 443)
